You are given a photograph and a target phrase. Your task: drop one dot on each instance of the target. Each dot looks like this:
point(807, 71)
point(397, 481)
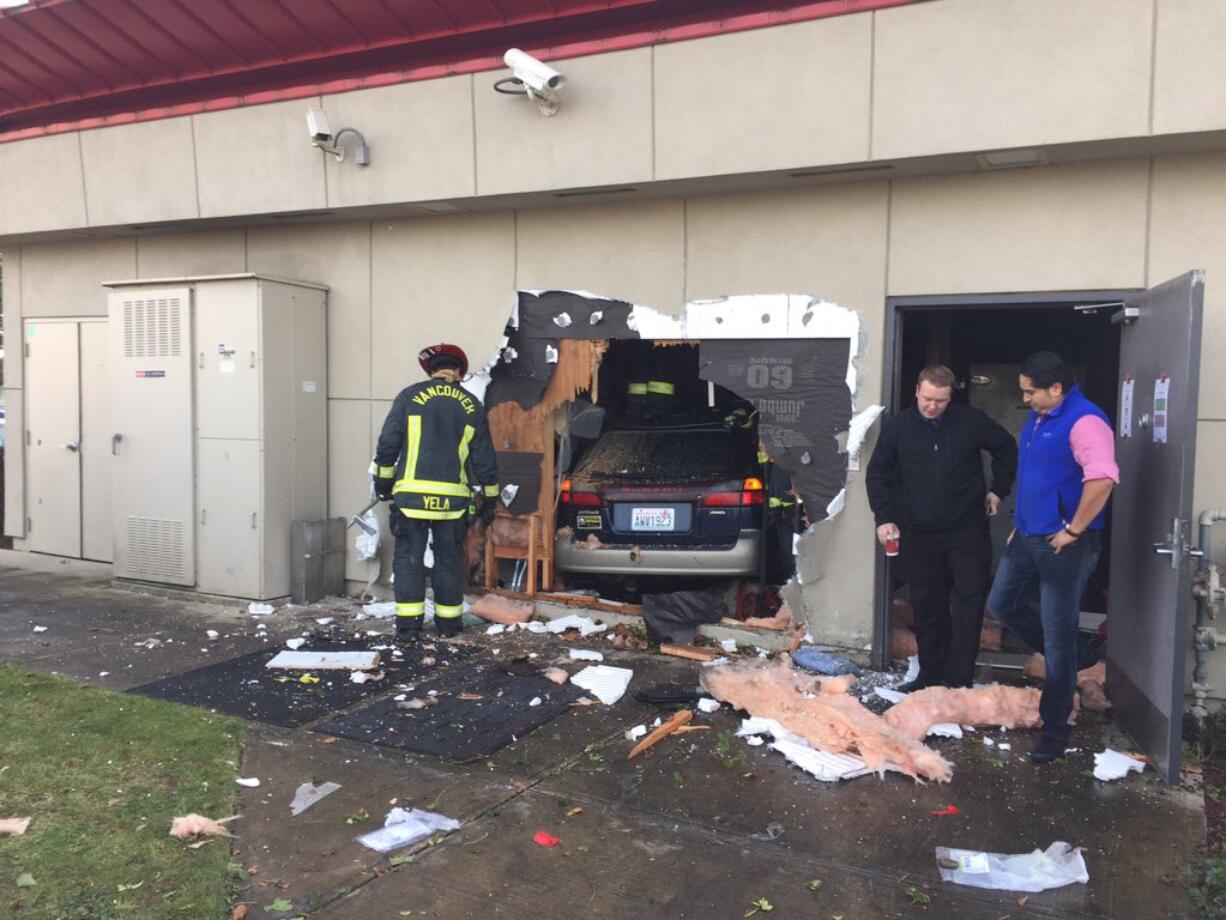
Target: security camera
point(538, 80)
point(323, 138)
point(318, 127)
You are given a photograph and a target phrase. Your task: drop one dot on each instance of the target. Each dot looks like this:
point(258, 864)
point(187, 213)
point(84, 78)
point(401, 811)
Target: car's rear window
point(663, 456)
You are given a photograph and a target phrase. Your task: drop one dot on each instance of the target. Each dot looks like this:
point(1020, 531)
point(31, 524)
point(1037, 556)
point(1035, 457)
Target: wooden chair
point(538, 551)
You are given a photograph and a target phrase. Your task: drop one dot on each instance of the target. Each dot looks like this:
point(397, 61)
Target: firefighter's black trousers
point(447, 576)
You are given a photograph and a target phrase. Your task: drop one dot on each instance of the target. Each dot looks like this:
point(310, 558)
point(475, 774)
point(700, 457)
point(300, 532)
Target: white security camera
point(540, 82)
point(323, 138)
point(318, 127)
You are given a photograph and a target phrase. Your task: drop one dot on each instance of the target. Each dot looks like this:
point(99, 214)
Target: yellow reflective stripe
point(636, 389)
point(419, 514)
point(448, 611)
point(763, 457)
point(413, 609)
point(490, 491)
point(413, 447)
point(661, 388)
point(429, 487)
point(780, 503)
point(469, 431)
point(387, 472)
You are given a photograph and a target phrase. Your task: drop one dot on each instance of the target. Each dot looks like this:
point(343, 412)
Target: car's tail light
point(733, 495)
point(578, 499)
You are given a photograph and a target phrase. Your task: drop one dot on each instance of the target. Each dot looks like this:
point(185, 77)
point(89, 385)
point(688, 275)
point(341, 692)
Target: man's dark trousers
point(948, 572)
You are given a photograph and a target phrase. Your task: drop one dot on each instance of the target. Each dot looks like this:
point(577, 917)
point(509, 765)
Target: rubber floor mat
point(455, 728)
point(244, 687)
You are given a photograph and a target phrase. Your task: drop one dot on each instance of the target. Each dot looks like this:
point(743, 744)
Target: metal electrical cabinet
point(220, 429)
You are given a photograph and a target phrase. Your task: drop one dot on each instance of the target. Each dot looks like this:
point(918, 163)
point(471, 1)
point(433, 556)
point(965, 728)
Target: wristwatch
point(1072, 533)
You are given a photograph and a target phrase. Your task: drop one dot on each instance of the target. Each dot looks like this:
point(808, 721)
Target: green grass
point(102, 774)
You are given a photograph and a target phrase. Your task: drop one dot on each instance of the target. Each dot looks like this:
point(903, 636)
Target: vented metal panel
point(155, 549)
point(151, 328)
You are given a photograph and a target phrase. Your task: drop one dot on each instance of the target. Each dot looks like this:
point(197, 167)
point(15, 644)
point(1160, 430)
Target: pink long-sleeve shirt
point(1093, 444)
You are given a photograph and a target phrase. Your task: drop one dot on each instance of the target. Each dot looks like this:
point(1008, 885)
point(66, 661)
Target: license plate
point(588, 521)
point(653, 518)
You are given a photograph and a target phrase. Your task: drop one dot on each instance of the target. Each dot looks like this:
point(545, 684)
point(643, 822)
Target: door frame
point(891, 368)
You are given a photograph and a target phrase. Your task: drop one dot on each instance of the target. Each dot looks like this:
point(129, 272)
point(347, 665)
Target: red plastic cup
point(891, 546)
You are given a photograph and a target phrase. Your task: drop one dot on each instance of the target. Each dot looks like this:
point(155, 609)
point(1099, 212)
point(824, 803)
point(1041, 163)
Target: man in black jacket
point(926, 489)
point(434, 435)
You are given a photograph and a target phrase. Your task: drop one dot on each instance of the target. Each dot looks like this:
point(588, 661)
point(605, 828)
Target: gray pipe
point(1205, 638)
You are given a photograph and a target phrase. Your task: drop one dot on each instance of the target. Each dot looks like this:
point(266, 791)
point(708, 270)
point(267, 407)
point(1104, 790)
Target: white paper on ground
point(40, 629)
point(250, 782)
point(323, 621)
point(308, 794)
point(583, 654)
point(729, 645)
point(912, 669)
point(404, 827)
point(295, 644)
point(380, 609)
point(706, 704)
point(258, 609)
point(634, 734)
point(533, 626)
point(1059, 865)
point(1110, 765)
point(607, 684)
point(945, 730)
point(495, 629)
point(823, 765)
point(325, 661)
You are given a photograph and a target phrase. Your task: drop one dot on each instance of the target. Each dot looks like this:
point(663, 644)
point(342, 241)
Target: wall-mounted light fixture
point(534, 79)
point(323, 138)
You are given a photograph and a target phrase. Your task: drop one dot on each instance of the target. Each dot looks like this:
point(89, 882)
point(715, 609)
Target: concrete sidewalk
point(685, 831)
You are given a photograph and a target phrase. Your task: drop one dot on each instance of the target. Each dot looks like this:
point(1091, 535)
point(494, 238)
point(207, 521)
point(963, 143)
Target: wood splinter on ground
point(675, 721)
point(688, 651)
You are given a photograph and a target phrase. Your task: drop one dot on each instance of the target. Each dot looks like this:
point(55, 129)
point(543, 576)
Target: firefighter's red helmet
point(428, 355)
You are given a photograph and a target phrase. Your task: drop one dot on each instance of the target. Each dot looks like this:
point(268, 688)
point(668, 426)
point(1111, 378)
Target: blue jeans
point(1052, 629)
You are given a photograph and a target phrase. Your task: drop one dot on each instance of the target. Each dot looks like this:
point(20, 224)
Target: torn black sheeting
point(799, 389)
point(678, 615)
point(522, 469)
point(523, 371)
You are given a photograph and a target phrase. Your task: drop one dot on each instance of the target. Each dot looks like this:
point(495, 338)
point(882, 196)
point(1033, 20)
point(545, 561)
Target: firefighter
point(435, 433)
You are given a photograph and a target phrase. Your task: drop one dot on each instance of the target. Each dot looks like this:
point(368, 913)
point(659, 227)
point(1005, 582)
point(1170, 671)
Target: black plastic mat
point(458, 729)
point(244, 687)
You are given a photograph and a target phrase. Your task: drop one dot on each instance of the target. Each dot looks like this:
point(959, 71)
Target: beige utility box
point(220, 428)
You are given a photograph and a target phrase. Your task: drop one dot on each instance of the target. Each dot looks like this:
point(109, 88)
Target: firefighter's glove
point(383, 489)
point(489, 507)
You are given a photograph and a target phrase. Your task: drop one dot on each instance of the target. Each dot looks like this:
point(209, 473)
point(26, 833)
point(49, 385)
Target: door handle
point(115, 439)
point(73, 446)
point(1175, 547)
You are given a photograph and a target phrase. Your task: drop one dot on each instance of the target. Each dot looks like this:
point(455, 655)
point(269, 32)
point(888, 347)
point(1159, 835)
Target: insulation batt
point(499, 609)
point(1008, 707)
point(194, 825)
point(1091, 682)
point(832, 721)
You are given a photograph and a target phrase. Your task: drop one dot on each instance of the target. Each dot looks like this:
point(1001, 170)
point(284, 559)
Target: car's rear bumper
point(742, 558)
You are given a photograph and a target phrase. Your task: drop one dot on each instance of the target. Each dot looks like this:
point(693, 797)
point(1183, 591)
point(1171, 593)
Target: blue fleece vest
point(1048, 476)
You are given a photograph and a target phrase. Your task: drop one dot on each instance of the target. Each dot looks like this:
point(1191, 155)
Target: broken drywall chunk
point(861, 423)
point(585, 626)
point(583, 654)
point(308, 794)
point(1009, 707)
point(607, 684)
point(257, 609)
point(325, 661)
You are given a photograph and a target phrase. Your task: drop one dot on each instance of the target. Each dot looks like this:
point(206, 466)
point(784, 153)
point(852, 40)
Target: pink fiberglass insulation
point(831, 721)
point(1091, 682)
point(499, 609)
point(1008, 707)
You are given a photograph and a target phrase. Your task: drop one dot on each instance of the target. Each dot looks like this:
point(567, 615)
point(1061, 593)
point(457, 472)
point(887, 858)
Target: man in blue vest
point(1066, 471)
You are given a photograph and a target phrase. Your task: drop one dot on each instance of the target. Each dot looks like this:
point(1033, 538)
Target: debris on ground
point(250, 782)
point(675, 721)
point(545, 839)
point(308, 794)
point(946, 811)
point(831, 722)
point(606, 683)
point(404, 827)
point(821, 765)
point(670, 694)
point(675, 616)
point(557, 675)
point(256, 609)
point(325, 661)
point(585, 626)
point(634, 734)
point(688, 651)
point(708, 705)
point(583, 654)
point(295, 644)
point(1008, 707)
point(362, 677)
point(13, 827)
point(818, 662)
point(499, 609)
point(195, 825)
point(1091, 682)
point(1059, 865)
point(40, 629)
point(1111, 765)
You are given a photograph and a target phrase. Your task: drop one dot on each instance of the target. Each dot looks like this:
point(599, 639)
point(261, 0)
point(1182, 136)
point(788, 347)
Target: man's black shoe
point(1047, 750)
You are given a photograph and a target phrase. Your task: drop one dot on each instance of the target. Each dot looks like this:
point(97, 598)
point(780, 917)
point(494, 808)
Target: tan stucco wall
point(398, 284)
point(946, 77)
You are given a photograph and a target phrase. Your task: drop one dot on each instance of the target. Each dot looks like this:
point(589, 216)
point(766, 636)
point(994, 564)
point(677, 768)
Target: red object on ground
point(545, 839)
point(947, 810)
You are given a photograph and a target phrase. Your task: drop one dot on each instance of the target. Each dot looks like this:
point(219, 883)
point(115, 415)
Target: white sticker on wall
point(308, 386)
point(1126, 394)
point(1162, 393)
point(225, 367)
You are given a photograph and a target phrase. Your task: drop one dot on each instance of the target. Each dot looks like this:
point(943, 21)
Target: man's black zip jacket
point(930, 477)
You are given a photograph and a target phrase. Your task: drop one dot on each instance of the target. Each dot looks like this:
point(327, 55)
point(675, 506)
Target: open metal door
point(1152, 511)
